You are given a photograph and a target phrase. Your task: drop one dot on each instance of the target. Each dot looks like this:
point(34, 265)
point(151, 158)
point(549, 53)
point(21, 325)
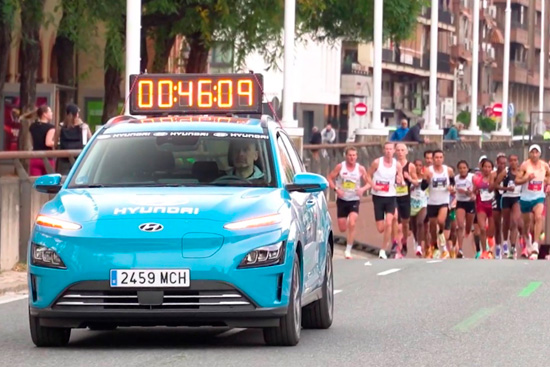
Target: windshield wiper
point(132, 184)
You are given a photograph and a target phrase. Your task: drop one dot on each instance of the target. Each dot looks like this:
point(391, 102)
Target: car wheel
point(48, 336)
point(319, 314)
point(288, 332)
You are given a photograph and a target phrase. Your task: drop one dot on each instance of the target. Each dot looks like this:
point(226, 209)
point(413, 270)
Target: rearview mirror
point(307, 182)
point(48, 184)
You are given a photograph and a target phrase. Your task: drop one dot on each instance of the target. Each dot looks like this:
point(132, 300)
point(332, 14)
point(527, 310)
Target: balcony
point(519, 33)
point(390, 56)
point(443, 62)
point(387, 102)
point(445, 18)
point(461, 52)
point(518, 73)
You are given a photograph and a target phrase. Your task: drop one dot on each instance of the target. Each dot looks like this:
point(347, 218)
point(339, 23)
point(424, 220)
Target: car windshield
point(176, 158)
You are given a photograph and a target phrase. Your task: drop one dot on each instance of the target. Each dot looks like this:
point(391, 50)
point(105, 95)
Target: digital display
point(195, 93)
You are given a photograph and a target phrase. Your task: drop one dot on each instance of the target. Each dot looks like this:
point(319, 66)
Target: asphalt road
point(388, 313)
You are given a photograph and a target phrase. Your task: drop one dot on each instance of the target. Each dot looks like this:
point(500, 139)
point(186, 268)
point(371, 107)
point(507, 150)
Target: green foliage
point(7, 12)
point(521, 130)
point(486, 124)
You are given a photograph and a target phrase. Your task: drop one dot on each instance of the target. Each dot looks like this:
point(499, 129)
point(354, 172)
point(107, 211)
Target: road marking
point(474, 320)
point(434, 261)
point(527, 291)
point(368, 263)
point(336, 291)
point(395, 270)
point(9, 299)
point(230, 332)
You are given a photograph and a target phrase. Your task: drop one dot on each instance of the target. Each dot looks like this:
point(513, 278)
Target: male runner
point(419, 202)
point(441, 180)
point(345, 179)
point(533, 174)
point(497, 217)
point(403, 197)
point(384, 173)
point(428, 162)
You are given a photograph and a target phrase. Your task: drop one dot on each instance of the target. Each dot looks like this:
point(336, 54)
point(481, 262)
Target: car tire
point(48, 336)
point(289, 329)
point(319, 314)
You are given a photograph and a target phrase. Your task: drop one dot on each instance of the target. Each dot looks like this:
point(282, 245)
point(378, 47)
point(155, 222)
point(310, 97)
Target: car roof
point(125, 124)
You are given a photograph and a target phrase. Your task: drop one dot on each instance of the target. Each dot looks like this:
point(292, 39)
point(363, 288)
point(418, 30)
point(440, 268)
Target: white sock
point(348, 247)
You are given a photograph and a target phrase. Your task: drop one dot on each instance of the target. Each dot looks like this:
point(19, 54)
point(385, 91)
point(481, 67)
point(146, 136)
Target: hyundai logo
point(151, 227)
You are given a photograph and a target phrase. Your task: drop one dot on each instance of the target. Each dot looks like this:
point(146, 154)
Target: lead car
point(183, 220)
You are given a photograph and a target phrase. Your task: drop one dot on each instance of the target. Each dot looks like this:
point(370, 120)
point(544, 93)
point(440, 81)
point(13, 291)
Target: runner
point(450, 227)
point(440, 179)
point(466, 207)
point(386, 172)
point(428, 162)
point(484, 186)
point(403, 199)
point(419, 202)
point(511, 213)
point(533, 174)
point(345, 179)
point(497, 218)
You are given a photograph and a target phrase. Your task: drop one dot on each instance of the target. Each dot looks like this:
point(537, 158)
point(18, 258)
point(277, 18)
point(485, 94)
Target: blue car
point(183, 221)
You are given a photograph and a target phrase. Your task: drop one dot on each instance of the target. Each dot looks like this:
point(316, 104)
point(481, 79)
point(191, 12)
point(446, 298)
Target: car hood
point(213, 203)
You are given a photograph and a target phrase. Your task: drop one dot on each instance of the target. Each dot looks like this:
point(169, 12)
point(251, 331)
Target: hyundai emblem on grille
point(151, 227)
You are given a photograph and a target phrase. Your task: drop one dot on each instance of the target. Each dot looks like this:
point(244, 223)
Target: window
point(294, 157)
point(288, 172)
point(176, 158)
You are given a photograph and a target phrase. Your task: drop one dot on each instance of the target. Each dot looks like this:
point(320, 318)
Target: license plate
point(150, 278)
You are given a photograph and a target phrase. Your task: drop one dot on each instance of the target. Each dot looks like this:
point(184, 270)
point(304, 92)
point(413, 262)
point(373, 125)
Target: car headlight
point(255, 222)
point(44, 256)
point(46, 221)
point(264, 256)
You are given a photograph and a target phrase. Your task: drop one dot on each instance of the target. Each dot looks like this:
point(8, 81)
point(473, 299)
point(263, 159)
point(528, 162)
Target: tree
point(32, 16)
point(7, 15)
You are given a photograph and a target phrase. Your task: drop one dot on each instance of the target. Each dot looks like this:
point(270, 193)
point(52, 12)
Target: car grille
point(209, 297)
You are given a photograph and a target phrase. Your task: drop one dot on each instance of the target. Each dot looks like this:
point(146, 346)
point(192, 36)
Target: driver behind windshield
point(243, 154)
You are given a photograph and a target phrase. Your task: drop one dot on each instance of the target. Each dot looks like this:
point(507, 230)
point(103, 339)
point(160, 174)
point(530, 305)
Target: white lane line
point(434, 261)
point(230, 332)
point(9, 299)
point(368, 263)
point(336, 291)
point(390, 271)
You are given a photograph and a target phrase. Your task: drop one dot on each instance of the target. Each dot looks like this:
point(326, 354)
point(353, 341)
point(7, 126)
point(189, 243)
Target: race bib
point(534, 186)
point(439, 182)
point(383, 186)
point(486, 195)
point(402, 190)
point(416, 203)
point(348, 185)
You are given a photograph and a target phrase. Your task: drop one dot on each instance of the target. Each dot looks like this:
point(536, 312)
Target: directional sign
point(497, 109)
point(361, 108)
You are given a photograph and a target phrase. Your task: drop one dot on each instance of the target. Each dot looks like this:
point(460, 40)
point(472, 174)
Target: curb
point(14, 289)
point(369, 249)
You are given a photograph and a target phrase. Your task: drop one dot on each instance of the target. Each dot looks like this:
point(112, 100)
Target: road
point(409, 312)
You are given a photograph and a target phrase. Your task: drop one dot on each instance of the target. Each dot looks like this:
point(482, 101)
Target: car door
point(308, 216)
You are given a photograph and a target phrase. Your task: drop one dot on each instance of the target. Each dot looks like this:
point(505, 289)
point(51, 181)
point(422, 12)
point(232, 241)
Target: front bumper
point(205, 303)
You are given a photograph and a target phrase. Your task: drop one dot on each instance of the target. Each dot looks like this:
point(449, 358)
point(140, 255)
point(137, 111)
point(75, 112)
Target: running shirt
point(419, 199)
point(405, 189)
point(439, 187)
point(533, 189)
point(464, 183)
point(509, 181)
point(484, 195)
point(349, 181)
point(384, 179)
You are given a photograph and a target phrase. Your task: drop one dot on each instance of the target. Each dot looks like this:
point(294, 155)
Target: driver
point(243, 154)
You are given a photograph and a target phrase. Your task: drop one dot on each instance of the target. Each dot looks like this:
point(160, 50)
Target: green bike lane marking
point(527, 291)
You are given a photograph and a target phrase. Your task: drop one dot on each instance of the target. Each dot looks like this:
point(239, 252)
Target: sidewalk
point(13, 282)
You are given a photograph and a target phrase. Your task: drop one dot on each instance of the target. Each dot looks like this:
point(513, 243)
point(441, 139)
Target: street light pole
point(377, 65)
point(506, 69)
point(475, 70)
point(288, 77)
point(543, 58)
point(133, 45)
point(434, 33)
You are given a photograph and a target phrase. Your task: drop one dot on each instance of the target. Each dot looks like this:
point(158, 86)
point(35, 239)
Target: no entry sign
point(361, 108)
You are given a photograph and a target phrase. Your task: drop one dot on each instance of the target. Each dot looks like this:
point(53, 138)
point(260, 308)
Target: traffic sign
point(511, 110)
point(497, 109)
point(361, 108)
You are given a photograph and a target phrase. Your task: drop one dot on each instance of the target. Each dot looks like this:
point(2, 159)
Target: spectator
point(328, 135)
point(401, 131)
point(454, 132)
point(414, 134)
point(316, 139)
point(42, 134)
point(73, 134)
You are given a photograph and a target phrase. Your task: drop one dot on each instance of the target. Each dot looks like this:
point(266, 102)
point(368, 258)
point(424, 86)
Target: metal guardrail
point(20, 157)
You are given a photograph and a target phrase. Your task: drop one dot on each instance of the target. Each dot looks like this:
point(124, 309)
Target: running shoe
point(441, 241)
point(445, 255)
point(404, 249)
point(459, 254)
point(382, 255)
point(394, 247)
point(524, 253)
point(419, 251)
point(489, 255)
point(498, 254)
point(436, 254)
point(347, 254)
point(398, 255)
point(513, 253)
point(505, 251)
point(478, 255)
point(429, 252)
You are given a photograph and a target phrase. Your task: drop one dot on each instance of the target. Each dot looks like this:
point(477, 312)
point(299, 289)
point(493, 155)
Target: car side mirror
point(307, 182)
point(48, 184)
